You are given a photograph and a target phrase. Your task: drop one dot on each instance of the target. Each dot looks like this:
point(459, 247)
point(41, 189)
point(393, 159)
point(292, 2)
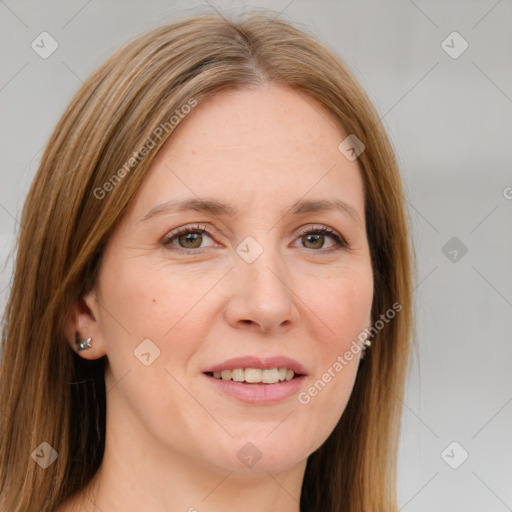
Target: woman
point(216, 230)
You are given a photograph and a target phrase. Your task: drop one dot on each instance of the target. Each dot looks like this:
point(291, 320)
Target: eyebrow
point(218, 208)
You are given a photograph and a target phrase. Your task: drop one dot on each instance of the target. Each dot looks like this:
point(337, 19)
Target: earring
point(82, 344)
point(367, 343)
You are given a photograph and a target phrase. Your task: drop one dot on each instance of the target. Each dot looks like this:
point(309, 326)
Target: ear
point(83, 321)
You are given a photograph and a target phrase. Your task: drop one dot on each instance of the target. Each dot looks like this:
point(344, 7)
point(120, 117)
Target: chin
point(261, 453)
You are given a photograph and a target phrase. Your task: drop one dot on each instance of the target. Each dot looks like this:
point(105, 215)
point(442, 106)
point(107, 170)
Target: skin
point(172, 437)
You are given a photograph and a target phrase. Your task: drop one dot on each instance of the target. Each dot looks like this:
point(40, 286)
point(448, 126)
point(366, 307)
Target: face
point(254, 272)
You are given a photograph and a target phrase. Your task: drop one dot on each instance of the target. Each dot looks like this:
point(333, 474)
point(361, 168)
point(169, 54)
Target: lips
point(257, 380)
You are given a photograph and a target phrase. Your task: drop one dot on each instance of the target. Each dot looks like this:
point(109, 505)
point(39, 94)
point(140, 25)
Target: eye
point(187, 237)
point(315, 238)
point(190, 238)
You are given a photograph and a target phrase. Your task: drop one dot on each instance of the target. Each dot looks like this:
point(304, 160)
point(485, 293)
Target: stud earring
point(82, 344)
point(367, 343)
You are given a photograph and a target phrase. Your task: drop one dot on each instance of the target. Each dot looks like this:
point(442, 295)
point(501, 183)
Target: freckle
point(154, 300)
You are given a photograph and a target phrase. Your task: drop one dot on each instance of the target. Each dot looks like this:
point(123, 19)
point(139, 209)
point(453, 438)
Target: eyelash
point(341, 243)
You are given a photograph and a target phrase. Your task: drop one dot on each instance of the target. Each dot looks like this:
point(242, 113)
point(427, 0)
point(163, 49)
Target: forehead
point(255, 146)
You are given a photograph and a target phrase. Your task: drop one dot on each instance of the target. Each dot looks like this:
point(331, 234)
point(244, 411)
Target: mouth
point(257, 380)
point(268, 376)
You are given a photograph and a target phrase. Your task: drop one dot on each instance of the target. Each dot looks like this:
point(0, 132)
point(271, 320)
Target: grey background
point(450, 122)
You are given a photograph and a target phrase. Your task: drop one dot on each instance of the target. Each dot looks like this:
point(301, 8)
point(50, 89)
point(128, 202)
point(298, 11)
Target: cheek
point(345, 308)
point(152, 311)
point(150, 300)
point(168, 306)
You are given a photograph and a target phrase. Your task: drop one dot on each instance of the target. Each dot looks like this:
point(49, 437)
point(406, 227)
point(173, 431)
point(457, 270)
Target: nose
point(262, 297)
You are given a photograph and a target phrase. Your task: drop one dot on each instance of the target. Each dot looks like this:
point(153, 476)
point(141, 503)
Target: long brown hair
point(48, 393)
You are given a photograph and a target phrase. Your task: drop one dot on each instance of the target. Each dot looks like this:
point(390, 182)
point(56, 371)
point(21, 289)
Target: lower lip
point(259, 393)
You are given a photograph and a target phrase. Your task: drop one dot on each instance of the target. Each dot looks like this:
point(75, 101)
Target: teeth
point(238, 375)
point(270, 376)
point(253, 375)
point(256, 375)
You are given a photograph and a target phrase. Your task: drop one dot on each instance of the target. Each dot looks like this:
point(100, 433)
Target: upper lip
point(266, 362)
